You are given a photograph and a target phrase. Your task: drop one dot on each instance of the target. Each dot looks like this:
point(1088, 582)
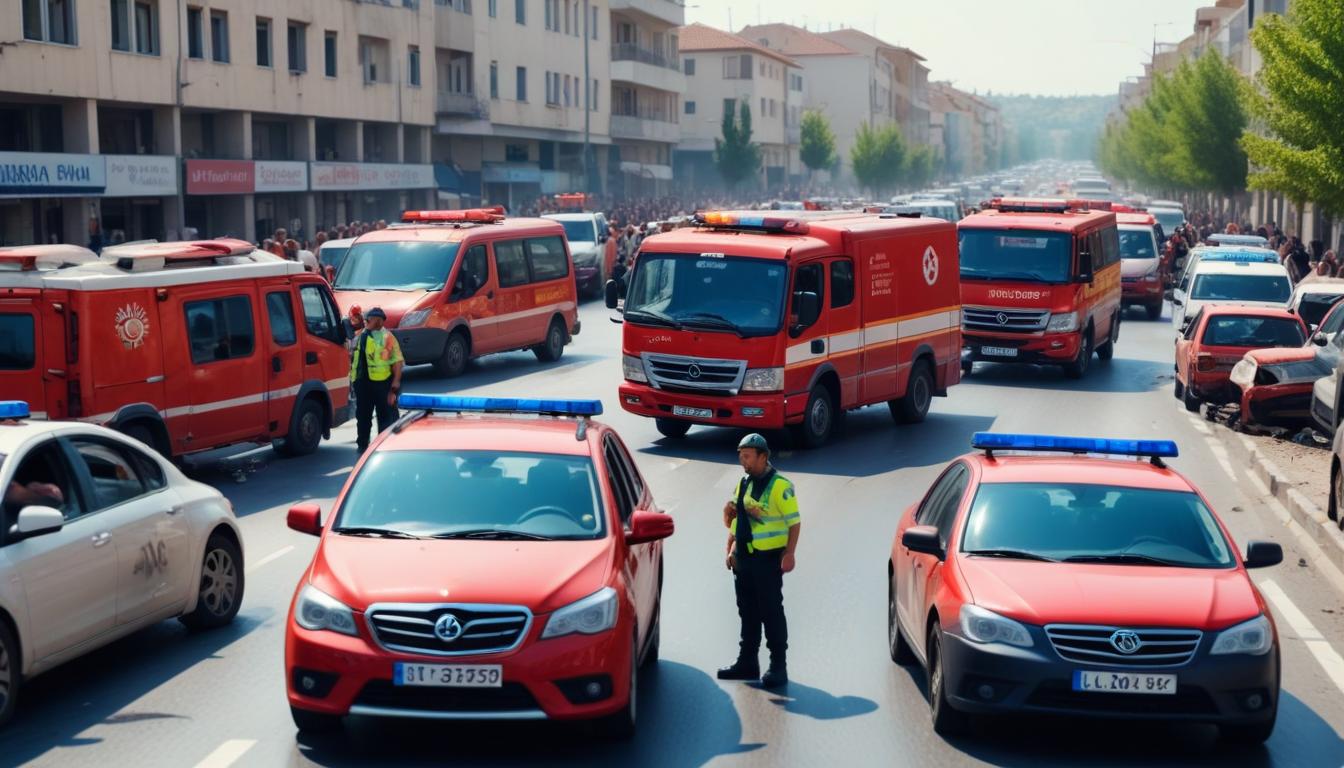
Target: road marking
point(1220, 453)
point(227, 754)
point(1325, 654)
point(1200, 425)
point(276, 555)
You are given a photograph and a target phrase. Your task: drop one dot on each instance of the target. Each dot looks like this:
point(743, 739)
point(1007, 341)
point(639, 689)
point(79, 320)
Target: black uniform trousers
point(371, 396)
point(759, 584)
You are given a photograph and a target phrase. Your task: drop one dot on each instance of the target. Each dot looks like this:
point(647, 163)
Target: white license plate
point(1123, 682)
point(695, 413)
point(999, 351)
point(448, 675)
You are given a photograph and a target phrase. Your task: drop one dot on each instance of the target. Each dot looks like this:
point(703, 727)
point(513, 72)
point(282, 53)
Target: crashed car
point(1218, 339)
point(1276, 384)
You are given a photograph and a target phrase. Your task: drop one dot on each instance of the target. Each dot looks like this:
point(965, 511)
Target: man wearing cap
point(763, 524)
point(375, 376)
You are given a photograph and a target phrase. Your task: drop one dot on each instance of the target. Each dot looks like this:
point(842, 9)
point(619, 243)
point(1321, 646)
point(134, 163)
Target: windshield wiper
point(652, 316)
point(711, 320)
point(1123, 558)
point(1014, 554)
point(377, 533)
point(492, 533)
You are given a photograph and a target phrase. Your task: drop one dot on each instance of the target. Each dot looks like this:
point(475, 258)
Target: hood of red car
point(1277, 355)
point(542, 575)
point(1112, 595)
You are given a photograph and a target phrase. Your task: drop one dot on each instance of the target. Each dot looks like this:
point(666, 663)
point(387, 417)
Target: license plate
point(448, 675)
point(1123, 682)
point(999, 351)
point(695, 413)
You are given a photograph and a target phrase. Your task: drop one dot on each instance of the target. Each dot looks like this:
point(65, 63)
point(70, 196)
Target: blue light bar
point(13, 409)
point(1252, 240)
point(452, 404)
point(998, 441)
point(1240, 257)
point(751, 221)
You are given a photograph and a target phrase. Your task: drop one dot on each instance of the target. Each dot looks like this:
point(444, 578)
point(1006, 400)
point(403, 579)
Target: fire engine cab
point(761, 321)
point(185, 346)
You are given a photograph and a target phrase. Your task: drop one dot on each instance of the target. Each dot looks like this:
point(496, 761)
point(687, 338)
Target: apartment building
point(967, 131)
point(152, 118)
point(723, 71)
point(908, 94)
point(646, 95)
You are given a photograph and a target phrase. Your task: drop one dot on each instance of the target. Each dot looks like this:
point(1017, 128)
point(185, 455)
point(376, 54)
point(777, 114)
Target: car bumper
point(1213, 386)
point(1141, 293)
point(587, 274)
point(762, 411)
point(421, 345)
point(353, 676)
point(1285, 405)
point(997, 678)
point(1046, 349)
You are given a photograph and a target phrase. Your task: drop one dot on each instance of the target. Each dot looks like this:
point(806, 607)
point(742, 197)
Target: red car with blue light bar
point(488, 559)
point(1077, 584)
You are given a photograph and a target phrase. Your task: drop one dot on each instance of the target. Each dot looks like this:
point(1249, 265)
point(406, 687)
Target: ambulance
point(1040, 280)
point(760, 321)
point(185, 346)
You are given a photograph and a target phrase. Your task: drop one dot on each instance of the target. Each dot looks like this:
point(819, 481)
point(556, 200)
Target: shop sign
point(51, 174)
point(281, 176)
point(141, 176)
point(337, 177)
point(219, 177)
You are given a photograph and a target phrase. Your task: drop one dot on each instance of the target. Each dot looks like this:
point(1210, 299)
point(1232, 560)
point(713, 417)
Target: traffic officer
point(763, 525)
point(375, 376)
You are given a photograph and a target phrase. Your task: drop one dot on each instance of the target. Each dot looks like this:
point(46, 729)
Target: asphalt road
point(165, 697)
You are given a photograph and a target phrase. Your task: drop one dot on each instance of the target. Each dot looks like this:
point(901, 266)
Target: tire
point(900, 650)
point(1078, 368)
point(1248, 735)
point(308, 721)
point(1107, 350)
point(672, 428)
point(306, 433)
point(453, 361)
point(620, 726)
point(967, 368)
point(553, 347)
point(1191, 401)
point(1337, 497)
point(1179, 390)
point(1154, 311)
point(818, 419)
point(143, 434)
point(221, 585)
point(946, 720)
point(11, 676)
point(914, 407)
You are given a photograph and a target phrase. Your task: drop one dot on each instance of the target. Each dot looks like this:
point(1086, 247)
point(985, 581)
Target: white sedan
point(101, 536)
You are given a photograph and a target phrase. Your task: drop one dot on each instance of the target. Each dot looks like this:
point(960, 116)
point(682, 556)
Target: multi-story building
point(909, 80)
point(646, 94)
point(968, 131)
point(152, 118)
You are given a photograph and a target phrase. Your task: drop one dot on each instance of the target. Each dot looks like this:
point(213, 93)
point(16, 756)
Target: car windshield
point(1043, 257)
point(579, 231)
point(396, 266)
point(946, 211)
point(1252, 331)
point(1169, 219)
point(485, 494)
point(720, 293)
point(1137, 244)
point(1097, 523)
point(1233, 287)
point(332, 256)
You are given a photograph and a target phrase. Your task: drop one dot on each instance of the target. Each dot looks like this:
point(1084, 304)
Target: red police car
point(1081, 585)
point(488, 559)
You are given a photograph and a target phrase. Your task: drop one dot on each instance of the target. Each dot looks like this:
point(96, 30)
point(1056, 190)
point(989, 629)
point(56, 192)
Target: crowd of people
point(1301, 259)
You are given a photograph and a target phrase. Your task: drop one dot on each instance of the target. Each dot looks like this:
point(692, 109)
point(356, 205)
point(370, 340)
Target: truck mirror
point(615, 289)
point(1085, 267)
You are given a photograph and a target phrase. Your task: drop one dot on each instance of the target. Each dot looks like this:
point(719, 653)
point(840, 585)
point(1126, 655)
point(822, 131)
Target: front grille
point(1005, 320)
point(410, 627)
point(511, 697)
point(1089, 644)
point(1186, 701)
point(694, 374)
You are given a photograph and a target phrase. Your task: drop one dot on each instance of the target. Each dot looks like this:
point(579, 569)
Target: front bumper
point(1278, 405)
point(998, 678)
point(1044, 349)
point(1141, 292)
point(772, 408)
point(421, 345)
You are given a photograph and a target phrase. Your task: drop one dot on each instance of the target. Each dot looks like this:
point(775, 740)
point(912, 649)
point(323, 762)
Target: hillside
point(1065, 127)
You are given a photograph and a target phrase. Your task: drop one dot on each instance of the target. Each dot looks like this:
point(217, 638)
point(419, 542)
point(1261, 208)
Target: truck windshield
point(1039, 257)
point(721, 293)
point(1137, 243)
point(396, 266)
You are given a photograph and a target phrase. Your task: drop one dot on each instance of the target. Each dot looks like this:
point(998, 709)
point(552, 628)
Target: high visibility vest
point(381, 352)
point(777, 509)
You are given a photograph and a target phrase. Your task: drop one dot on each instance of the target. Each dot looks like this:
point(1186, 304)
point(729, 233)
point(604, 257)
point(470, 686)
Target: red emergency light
point(30, 257)
point(492, 215)
point(730, 220)
point(574, 200)
point(181, 250)
point(1045, 205)
point(1093, 205)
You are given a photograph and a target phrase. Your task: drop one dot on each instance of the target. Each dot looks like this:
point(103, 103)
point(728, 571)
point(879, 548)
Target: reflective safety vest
point(381, 351)
point(777, 509)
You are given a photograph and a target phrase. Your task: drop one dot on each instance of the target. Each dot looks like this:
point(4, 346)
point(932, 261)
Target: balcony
point(644, 129)
point(646, 66)
point(462, 105)
point(672, 12)
point(632, 52)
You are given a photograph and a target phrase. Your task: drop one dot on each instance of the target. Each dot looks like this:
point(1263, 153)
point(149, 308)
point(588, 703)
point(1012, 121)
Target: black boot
point(745, 668)
point(777, 676)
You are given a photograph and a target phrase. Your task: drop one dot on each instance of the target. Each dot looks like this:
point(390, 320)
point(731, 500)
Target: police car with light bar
point(1080, 576)
point(1251, 277)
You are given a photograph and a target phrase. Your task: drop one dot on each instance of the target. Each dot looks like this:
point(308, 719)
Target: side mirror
point(1175, 302)
point(1085, 267)
point(1319, 339)
point(615, 291)
point(37, 520)
point(1169, 294)
point(807, 306)
point(646, 526)
point(1262, 554)
point(305, 518)
point(923, 539)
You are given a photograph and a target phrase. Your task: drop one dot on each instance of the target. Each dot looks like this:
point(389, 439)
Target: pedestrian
point(763, 524)
point(375, 376)
point(354, 325)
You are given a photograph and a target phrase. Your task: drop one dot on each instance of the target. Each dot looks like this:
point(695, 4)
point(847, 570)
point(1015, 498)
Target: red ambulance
point(185, 346)
point(1040, 281)
point(761, 321)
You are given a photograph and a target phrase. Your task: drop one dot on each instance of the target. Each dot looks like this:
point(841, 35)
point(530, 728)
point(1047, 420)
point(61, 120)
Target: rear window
point(1137, 244)
point(17, 342)
point(1251, 331)
point(1233, 287)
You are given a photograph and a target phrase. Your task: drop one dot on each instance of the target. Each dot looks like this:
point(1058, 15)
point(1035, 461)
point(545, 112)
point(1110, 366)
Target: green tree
point(1303, 104)
point(817, 141)
point(737, 157)
point(878, 157)
point(920, 166)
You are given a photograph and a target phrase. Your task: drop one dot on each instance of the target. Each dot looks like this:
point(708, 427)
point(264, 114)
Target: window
point(219, 36)
point(492, 7)
point(940, 506)
point(550, 22)
point(220, 329)
point(592, 27)
point(520, 11)
point(494, 79)
point(551, 98)
point(51, 21)
point(46, 464)
point(112, 472)
point(621, 487)
point(689, 106)
point(809, 279)
point(688, 66)
point(147, 28)
point(473, 274)
point(522, 84)
point(592, 97)
point(842, 284)
point(329, 53)
point(263, 42)
point(547, 258)
point(121, 27)
point(516, 153)
point(413, 65)
point(296, 39)
point(195, 33)
point(18, 342)
point(737, 67)
point(368, 59)
point(319, 314)
point(511, 264)
point(280, 313)
point(762, 106)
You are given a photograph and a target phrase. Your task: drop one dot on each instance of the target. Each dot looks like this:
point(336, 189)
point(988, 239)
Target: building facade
point(647, 87)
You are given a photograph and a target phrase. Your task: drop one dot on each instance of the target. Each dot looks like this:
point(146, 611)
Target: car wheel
point(1337, 497)
point(673, 428)
point(141, 432)
point(621, 725)
point(1154, 311)
point(1190, 400)
point(1179, 390)
point(1248, 734)
point(914, 407)
point(1107, 350)
point(946, 720)
point(308, 721)
point(550, 350)
point(1078, 368)
point(967, 368)
point(454, 358)
point(900, 650)
point(818, 418)
point(11, 665)
point(221, 590)
point(306, 435)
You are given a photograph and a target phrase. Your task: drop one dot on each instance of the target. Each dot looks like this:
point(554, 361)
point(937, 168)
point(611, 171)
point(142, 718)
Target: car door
point(514, 298)
point(925, 571)
point(1185, 349)
point(228, 376)
point(636, 572)
point(286, 368)
point(473, 299)
point(647, 555)
point(69, 576)
point(153, 537)
point(325, 357)
point(808, 346)
point(846, 336)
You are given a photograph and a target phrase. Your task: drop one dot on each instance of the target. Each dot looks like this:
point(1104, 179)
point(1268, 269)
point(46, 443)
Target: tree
point(878, 156)
point(737, 157)
point(920, 165)
point(1303, 80)
point(817, 141)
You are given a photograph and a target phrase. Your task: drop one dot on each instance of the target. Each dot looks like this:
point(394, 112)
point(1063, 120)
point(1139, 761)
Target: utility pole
point(587, 98)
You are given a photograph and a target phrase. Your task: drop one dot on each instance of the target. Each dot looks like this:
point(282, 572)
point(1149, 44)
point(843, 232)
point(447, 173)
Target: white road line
point(1220, 453)
point(1325, 654)
point(1200, 425)
point(227, 754)
point(276, 555)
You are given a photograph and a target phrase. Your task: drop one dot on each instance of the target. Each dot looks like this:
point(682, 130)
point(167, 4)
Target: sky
point(1046, 47)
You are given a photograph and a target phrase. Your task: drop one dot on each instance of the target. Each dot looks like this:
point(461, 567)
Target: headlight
point(317, 610)
point(1062, 323)
point(594, 613)
point(633, 368)
point(1254, 637)
point(984, 626)
point(416, 318)
point(763, 380)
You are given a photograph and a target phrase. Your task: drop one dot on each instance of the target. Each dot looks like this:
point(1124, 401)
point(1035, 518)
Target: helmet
point(754, 440)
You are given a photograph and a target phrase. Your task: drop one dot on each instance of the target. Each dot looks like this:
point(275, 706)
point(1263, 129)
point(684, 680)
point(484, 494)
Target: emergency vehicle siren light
point(13, 409)
point(999, 441)
point(491, 215)
point(1241, 257)
point(1030, 205)
point(1222, 239)
point(454, 404)
point(739, 221)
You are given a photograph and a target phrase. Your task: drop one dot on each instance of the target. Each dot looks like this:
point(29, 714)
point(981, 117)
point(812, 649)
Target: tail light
point(1205, 362)
point(74, 406)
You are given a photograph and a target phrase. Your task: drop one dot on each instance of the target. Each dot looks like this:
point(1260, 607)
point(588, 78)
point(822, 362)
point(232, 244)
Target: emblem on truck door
point(132, 324)
point(930, 265)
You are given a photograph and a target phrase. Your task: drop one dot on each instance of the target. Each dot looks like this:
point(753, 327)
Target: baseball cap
point(754, 440)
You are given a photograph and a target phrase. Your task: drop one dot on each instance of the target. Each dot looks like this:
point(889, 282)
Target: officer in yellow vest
point(763, 524)
point(375, 376)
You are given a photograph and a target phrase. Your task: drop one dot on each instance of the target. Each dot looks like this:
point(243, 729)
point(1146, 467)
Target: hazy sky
point(1009, 46)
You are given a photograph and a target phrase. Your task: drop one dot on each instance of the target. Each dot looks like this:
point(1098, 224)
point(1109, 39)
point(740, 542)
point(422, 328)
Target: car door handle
point(490, 294)
point(310, 358)
point(276, 364)
point(101, 539)
point(175, 510)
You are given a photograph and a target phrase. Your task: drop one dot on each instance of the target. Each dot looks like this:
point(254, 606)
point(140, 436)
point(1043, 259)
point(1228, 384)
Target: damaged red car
point(1216, 340)
point(1275, 386)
